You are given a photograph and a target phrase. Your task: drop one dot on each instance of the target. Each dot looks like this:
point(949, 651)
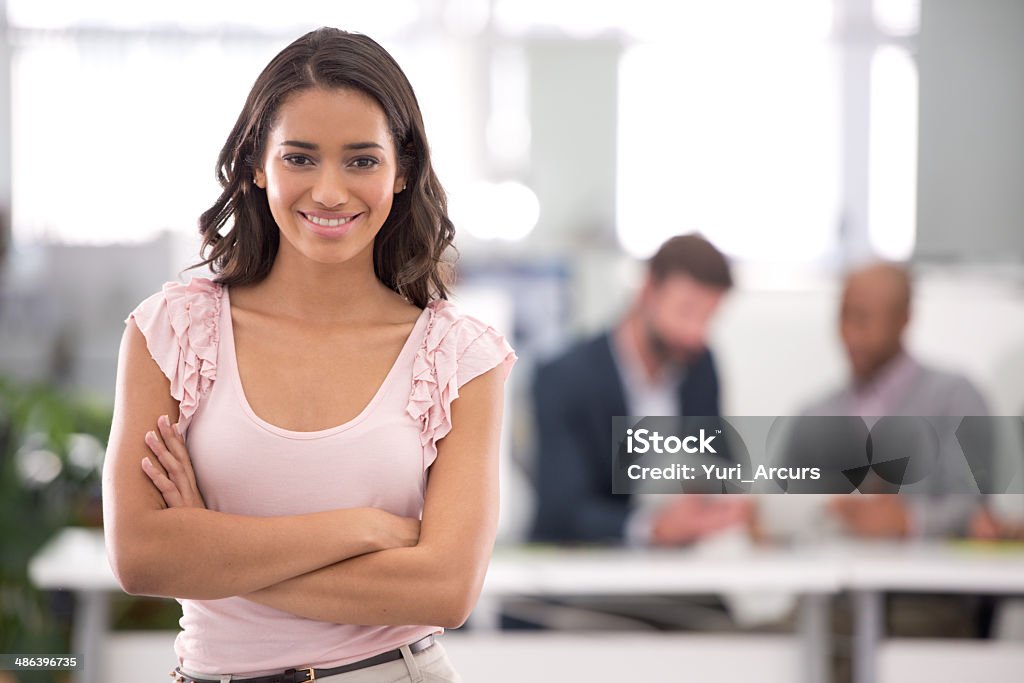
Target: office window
point(119, 109)
point(116, 140)
point(732, 129)
point(892, 174)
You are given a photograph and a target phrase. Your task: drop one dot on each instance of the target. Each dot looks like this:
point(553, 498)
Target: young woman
point(304, 448)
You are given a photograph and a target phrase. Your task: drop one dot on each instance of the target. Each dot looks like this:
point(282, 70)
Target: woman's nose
point(330, 189)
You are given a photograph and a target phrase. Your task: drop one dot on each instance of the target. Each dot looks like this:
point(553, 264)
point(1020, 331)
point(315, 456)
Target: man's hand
point(984, 525)
point(872, 516)
point(692, 516)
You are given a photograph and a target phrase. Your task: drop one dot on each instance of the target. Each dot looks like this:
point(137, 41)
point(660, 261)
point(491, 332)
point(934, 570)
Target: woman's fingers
point(171, 466)
point(166, 487)
point(176, 447)
point(169, 448)
point(167, 480)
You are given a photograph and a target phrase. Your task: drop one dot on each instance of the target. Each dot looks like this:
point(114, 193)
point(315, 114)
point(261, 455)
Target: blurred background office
point(803, 138)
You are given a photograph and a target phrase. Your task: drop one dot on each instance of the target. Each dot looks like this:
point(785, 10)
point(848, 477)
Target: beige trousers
point(426, 666)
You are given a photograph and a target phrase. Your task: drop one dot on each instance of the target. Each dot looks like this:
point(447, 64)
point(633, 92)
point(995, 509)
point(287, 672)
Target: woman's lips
point(325, 226)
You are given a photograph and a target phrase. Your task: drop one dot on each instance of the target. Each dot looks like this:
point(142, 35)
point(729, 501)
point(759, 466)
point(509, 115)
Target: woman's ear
point(406, 165)
point(259, 179)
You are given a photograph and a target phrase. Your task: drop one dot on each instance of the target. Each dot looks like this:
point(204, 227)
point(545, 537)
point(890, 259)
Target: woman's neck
point(319, 292)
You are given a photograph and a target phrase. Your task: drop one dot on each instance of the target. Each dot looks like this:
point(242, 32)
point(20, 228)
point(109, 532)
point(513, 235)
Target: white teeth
point(328, 222)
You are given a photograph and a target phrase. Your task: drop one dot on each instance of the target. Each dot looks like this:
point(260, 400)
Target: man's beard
point(665, 352)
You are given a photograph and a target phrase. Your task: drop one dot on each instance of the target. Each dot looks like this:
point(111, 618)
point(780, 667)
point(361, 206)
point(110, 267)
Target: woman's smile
point(329, 225)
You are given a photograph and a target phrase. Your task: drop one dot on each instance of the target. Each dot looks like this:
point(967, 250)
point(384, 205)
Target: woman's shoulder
point(455, 349)
point(180, 326)
point(474, 345)
point(446, 318)
point(198, 291)
point(185, 312)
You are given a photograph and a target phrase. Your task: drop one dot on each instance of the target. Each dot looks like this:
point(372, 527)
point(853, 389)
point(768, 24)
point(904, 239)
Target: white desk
point(76, 560)
point(539, 571)
point(875, 569)
point(526, 569)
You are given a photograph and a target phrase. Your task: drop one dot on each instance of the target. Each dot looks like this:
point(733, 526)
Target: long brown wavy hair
point(409, 252)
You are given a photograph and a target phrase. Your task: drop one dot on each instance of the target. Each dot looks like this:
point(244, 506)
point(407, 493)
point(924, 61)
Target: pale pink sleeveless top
point(247, 466)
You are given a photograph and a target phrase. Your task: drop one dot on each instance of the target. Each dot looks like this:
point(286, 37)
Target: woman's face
point(331, 173)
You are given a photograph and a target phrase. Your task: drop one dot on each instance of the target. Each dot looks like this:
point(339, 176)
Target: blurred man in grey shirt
point(887, 381)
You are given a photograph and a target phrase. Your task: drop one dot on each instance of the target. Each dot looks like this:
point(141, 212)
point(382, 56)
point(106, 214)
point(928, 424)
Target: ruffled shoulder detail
point(180, 324)
point(455, 349)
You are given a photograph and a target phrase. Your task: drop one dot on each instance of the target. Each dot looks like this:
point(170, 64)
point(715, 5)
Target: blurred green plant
point(51, 455)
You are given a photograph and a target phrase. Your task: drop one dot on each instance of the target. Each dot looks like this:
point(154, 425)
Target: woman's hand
point(173, 477)
point(391, 531)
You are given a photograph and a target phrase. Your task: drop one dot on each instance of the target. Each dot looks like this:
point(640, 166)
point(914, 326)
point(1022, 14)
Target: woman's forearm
point(437, 581)
point(203, 554)
point(416, 585)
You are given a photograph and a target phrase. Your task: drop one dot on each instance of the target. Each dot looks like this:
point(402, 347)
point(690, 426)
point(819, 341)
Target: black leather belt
point(311, 674)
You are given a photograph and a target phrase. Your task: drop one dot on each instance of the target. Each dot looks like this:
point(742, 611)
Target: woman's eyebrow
point(313, 146)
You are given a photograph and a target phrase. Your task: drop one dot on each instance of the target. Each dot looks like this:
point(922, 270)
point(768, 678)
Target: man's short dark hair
point(691, 255)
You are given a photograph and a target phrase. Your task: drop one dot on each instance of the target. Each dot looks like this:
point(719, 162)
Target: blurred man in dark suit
point(655, 361)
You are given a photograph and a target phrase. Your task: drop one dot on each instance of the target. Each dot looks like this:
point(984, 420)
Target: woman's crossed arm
point(167, 544)
point(438, 580)
point(435, 582)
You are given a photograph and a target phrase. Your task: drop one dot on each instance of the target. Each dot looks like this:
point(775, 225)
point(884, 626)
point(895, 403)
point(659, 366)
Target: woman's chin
point(339, 254)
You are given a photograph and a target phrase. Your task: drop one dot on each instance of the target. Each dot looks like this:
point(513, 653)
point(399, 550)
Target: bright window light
point(506, 211)
point(508, 125)
point(373, 18)
point(897, 17)
point(117, 142)
point(578, 18)
point(892, 188)
point(657, 19)
point(735, 138)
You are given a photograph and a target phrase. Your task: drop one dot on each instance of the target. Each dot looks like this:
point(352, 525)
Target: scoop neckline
point(228, 340)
